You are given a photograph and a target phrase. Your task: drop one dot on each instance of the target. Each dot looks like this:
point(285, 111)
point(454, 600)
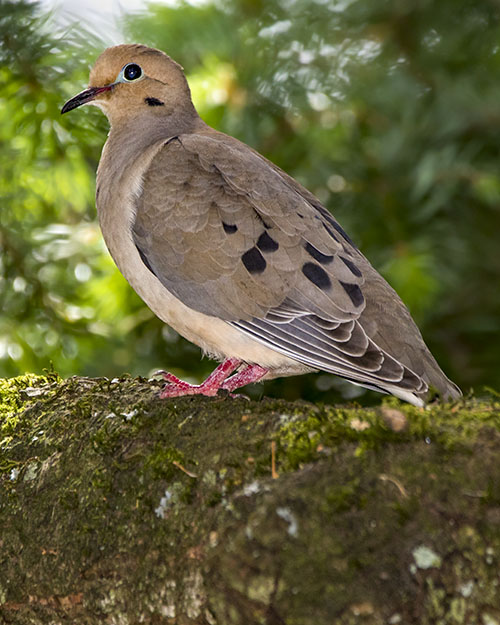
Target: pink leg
point(251, 373)
point(178, 388)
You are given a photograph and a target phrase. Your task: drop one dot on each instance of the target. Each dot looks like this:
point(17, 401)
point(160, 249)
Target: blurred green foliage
point(388, 111)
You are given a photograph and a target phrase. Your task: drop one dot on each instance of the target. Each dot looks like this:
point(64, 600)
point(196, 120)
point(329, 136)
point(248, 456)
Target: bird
point(233, 253)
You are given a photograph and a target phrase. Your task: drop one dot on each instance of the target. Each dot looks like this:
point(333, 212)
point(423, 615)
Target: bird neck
point(128, 151)
point(132, 137)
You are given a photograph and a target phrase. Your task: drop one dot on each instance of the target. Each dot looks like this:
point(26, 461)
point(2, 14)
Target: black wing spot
point(254, 261)
point(317, 275)
point(229, 228)
point(329, 218)
point(354, 293)
point(324, 259)
point(153, 102)
point(265, 243)
point(341, 231)
point(330, 232)
point(348, 263)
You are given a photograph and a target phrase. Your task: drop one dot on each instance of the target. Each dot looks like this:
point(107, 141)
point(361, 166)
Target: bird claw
point(217, 381)
point(210, 387)
point(178, 388)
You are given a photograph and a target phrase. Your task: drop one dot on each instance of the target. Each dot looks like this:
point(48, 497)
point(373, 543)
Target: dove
point(233, 253)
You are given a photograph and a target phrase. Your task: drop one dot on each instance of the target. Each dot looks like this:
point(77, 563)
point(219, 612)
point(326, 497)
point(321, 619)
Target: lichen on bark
point(118, 507)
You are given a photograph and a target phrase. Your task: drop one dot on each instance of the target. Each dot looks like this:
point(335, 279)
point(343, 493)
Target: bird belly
point(215, 336)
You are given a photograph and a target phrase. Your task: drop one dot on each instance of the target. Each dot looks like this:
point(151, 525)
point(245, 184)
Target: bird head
point(127, 80)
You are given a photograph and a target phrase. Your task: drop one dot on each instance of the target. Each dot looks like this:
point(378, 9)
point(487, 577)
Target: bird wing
point(232, 236)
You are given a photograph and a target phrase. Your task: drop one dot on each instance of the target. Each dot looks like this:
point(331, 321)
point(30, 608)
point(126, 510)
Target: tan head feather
point(131, 80)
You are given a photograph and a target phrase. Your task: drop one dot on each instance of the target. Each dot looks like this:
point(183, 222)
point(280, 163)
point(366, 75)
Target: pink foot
point(178, 388)
point(216, 380)
point(251, 373)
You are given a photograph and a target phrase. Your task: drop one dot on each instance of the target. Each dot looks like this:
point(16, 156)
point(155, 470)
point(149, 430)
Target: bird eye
point(132, 71)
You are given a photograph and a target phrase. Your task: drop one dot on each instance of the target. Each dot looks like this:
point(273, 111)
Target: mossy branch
point(118, 507)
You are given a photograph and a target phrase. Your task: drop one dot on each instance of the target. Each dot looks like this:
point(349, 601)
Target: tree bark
point(118, 507)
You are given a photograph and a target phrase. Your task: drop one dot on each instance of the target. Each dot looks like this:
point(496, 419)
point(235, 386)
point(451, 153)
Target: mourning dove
point(233, 253)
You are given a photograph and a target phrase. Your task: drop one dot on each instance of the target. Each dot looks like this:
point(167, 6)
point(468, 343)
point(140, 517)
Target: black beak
point(82, 98)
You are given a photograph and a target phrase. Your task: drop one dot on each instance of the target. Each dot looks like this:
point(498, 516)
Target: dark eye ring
point(132, 71)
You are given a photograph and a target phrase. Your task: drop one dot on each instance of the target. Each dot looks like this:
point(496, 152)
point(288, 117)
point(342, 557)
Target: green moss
point(160, 460)
point(16, 394)
point(303, 440)
point(12, 396)
point(342, 497)
point(127, 493)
